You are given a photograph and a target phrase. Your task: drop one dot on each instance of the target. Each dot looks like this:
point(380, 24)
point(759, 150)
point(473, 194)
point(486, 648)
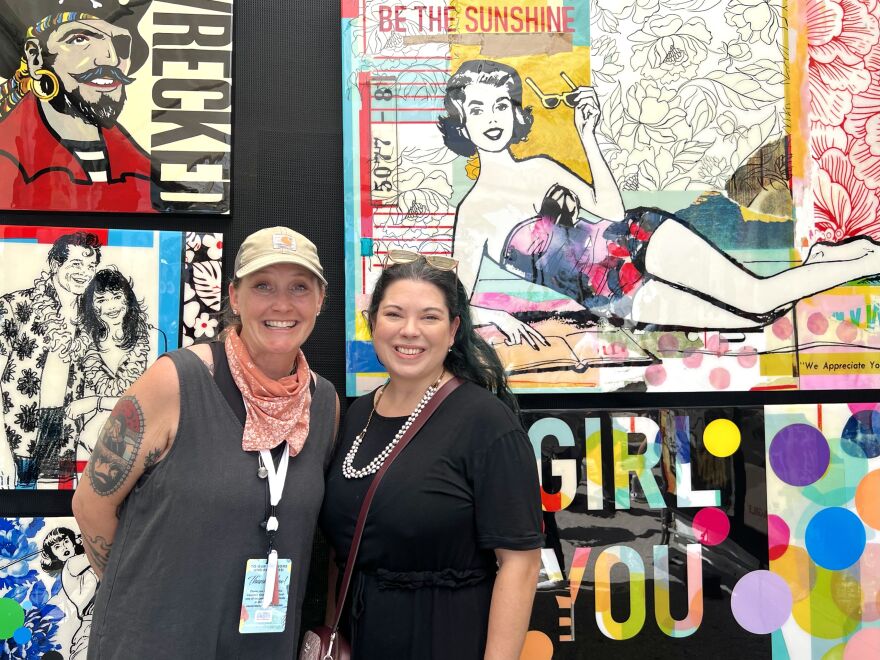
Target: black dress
point(464, 486)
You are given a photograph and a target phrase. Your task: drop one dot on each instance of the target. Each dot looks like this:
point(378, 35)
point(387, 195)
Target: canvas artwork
point(83, 313)
point(708, 532)
point(116, 105)
point(47, 590)
point(661, 195)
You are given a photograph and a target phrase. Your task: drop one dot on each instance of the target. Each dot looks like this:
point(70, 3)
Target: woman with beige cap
point(202, 550)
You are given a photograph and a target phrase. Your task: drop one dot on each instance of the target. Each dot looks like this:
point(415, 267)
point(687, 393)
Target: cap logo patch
point(283, 242)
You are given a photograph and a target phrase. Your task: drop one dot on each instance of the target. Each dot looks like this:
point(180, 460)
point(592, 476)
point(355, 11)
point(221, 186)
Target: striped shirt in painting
point(91, 156)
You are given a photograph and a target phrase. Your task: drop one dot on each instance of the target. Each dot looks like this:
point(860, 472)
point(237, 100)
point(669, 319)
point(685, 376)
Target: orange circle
point(868, 499)
point(537, 647)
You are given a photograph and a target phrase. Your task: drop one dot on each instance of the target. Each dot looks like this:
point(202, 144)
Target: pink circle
point(711, 526)
point(817, 323)
point(717, 344)
point(668, 343)
point(847, 332)
point(864, 645)
point(748, 357)
point(655, 375)
point(778, 536)
point(782, 327)
point(719, 378)
point(693, 358)
point(861, 407)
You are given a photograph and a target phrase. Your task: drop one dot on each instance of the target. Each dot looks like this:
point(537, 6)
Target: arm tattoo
point(117, 447)
point(98, 551)
point(152, 458)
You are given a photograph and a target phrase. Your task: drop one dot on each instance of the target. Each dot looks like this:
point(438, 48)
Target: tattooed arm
point(135, 437)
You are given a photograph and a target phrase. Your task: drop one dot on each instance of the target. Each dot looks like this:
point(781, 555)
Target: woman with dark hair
point(115, 345)
point(63, 553)
point(641, 267)
point(449, 555)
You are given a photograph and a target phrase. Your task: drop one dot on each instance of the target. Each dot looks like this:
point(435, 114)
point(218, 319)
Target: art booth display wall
point(651, 195)
point(116, 105)
point(83, 313)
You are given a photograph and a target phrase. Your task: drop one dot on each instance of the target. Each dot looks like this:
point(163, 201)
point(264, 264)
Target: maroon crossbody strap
point(417, 424)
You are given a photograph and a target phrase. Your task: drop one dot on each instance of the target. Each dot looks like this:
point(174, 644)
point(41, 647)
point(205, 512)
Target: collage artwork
point(641, 195)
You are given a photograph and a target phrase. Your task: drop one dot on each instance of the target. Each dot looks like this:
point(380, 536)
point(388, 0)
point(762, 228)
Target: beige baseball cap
point(277, 245)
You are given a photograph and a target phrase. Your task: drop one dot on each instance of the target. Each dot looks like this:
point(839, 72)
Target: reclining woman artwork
point(638, 268)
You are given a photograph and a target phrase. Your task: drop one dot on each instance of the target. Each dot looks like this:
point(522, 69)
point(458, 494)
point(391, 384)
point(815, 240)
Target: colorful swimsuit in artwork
point(601, 264)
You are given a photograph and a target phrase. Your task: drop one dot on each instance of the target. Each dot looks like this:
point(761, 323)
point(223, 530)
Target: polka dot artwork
point(863, 433)
point(11, 617)
point(864, 645)
point(823, 517)
point(799, 454)
point(761, 602)
point(868, 499)
point(778, 535)
point(835, 538)
point(711, 526)
point(721, 437)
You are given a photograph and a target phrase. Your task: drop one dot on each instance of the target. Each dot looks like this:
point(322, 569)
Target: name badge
point(254, 617)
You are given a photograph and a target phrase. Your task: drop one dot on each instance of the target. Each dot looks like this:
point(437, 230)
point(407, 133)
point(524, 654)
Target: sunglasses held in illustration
point(437, 261)
point(552, 101)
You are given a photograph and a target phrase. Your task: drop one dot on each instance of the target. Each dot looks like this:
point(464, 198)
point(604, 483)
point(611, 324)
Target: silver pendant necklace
point(348, 469)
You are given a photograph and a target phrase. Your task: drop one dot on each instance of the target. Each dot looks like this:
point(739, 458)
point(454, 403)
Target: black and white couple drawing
point(70, 345)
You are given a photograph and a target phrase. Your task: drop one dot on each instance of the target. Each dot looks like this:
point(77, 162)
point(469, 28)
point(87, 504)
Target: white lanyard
point(276, 479)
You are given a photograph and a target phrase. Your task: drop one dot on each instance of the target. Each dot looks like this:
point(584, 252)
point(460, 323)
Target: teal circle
point(11, 617)
point(22, 635)
point(847, 466)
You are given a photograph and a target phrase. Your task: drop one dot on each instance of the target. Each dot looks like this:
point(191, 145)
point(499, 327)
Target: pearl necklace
point(348, 470)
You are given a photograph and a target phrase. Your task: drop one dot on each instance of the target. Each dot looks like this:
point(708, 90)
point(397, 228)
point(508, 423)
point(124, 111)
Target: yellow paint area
point(553, 132)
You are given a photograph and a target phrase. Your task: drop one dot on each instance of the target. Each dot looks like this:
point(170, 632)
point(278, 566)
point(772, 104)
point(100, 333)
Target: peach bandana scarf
point(276, 409)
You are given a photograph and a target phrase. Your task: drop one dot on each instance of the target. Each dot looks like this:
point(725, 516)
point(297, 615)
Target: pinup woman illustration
point(639, 268)
point(63, 553)
point(115, 346)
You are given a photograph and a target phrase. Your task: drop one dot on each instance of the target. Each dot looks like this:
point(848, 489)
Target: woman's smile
point(410, 351)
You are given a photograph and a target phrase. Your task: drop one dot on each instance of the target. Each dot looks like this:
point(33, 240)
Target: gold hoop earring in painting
point(37, 85)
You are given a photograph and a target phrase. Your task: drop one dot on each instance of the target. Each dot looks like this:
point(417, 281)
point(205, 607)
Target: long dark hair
point(471, 357)
point(134, 322)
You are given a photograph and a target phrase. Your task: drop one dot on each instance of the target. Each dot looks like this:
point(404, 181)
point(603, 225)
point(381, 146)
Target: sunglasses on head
point(408, 256)
point(552, 101)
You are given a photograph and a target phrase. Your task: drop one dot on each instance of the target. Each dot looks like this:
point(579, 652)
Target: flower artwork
point(83, 313)
point(47, 589)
